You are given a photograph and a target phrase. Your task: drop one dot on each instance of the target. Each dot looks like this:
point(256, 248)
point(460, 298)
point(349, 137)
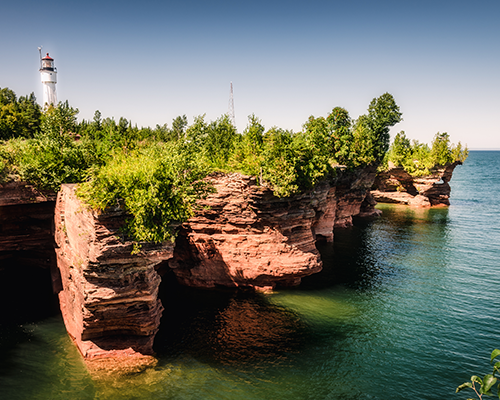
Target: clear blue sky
point(150, 61)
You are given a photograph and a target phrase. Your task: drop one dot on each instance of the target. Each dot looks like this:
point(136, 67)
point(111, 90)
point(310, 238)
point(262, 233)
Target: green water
point(406, 308)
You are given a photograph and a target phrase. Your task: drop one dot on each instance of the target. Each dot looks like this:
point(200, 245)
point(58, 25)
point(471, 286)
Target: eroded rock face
point(109, 297)
point(397, 186)
point(352, 188)
point(244, 236)
point(26, 217)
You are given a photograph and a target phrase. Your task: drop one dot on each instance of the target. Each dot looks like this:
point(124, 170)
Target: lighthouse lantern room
point(48, 74)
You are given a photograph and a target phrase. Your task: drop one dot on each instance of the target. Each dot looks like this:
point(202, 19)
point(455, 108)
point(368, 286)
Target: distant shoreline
point(484, 149)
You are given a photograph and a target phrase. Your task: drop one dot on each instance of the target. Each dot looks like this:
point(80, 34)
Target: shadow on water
point(26, 298)
point(226, 327)
point(361, 257)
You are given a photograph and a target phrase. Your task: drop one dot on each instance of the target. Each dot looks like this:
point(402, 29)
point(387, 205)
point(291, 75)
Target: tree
point(247, 156)
point(179, 125)
point(365, 147)
point(279, 162)
point(219, 142)
point(18, 118)
point(340, 124)
point(383, 113)
point(400, 151)
point(59, 121)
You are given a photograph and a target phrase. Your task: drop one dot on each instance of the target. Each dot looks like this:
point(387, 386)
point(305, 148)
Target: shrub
point(158, 185)
point(418, 159)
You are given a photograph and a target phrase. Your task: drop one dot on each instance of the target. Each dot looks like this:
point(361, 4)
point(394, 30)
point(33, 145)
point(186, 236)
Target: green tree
point(383, 113)
point(340, 124)
point(55, 156)
point(18, 118)
point(58, 122)
point(158, 186)
point(197, 133)
point(279, 162)
point(247, 156)
point(219, 142)
point(179, 125)
point(400, 151)
point(365, 148)
point(418, 159)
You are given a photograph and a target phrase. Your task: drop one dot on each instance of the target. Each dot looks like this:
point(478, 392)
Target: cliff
point(397, 186)
point(241, 236)
point(109, 297)
point(26, 217)
point(244, 236)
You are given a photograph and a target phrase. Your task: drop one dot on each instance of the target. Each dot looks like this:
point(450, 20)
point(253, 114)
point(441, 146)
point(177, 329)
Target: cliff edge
point(109, 297)
point(398, 186)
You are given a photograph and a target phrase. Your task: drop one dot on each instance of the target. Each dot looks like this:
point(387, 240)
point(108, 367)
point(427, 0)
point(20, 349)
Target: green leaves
point(383, 113)
point(18, 117)
point(487, 383)
point(419, 159)
point(158, 185)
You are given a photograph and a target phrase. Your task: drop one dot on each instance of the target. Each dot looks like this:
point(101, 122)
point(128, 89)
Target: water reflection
point(370, 253)
point(226, 328)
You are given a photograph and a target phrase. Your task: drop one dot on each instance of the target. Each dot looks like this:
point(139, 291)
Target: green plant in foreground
point(485, 385)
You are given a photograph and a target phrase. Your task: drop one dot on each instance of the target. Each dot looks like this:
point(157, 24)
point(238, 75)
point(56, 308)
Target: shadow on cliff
point(203, 265)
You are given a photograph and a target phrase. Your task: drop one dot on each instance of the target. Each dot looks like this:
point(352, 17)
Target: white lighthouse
point(48, 73)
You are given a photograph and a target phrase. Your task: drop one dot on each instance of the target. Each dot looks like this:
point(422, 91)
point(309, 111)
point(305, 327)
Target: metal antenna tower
point(231, 106)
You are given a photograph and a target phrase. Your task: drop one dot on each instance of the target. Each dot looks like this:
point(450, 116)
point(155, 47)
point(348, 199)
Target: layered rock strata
point(241, 236)
point(109, 297)
point(244, 236)
point(397, 186)
point(352, 195)
point(26, 217)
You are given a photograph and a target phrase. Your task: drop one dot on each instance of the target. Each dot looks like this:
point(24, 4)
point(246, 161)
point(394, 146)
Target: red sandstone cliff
point(244, 236)
point(109, 299)
point(397, 186)
point(26, 217)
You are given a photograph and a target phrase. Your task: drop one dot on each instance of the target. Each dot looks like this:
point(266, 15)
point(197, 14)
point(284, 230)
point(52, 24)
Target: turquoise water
point(407, 307)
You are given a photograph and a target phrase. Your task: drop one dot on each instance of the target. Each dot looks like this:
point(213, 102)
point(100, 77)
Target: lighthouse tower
point(48, 73)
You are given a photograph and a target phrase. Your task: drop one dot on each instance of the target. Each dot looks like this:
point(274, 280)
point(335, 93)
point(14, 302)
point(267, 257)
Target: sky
point(151, 61)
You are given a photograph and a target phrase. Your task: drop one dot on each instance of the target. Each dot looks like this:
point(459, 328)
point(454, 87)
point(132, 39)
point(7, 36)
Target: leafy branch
point(485, 385)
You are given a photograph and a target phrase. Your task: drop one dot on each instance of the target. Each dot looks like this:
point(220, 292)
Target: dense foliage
point(18, 117)
point(157, 174)
point(157, 184)
point(419, 159)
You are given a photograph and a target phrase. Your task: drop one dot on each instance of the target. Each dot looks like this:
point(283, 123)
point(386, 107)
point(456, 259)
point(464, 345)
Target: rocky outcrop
point(241, 236)
point(352, 189)
point(244, 236)
point(26, 217)
point(109, 297)
point(397, 186)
